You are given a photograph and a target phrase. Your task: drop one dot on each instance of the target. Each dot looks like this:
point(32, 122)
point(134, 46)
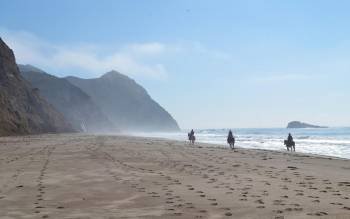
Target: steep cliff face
point(69, 100)
point(22, 109)
point(126, 103)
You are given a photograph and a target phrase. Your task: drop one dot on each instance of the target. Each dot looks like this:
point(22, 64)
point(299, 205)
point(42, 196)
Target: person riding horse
point(289, 143)
point(231, 140)
point(191, 137)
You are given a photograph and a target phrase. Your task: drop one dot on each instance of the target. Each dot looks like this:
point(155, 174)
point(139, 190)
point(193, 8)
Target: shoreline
point(209, 145)
point(223, 146)
point(118, 176)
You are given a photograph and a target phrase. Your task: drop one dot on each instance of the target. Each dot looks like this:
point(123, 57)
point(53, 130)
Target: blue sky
point(211, 64)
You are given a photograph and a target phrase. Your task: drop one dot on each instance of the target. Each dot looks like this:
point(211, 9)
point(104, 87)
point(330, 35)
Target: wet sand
point(86, 176)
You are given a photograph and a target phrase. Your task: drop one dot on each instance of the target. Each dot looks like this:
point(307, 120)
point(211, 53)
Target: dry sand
point(86, 176)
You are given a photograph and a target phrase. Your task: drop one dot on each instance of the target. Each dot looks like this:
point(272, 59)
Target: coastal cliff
point(126, 103)
point(69, 100)
point(22, 109)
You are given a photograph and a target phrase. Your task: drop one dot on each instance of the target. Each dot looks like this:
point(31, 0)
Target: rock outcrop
point(22, 109)
point(69, 100)
point(126, 103)
point(297, 124)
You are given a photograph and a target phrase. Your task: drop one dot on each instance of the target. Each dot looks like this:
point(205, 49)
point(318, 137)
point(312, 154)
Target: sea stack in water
point(22, 109)
point(126, 103)
point(299, 125)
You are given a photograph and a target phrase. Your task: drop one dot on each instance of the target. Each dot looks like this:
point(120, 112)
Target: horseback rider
point(290, 138)
point(230, 136)
point(191, 137)
point(289, 143)
point(231, 140)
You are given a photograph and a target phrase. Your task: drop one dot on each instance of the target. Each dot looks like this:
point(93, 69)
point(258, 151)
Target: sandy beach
point(87, 176)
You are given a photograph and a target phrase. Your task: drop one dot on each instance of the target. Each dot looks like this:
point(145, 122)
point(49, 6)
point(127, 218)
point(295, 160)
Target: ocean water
point(329, 141)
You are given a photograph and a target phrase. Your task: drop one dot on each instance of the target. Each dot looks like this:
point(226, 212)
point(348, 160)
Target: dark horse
point(231, 142)
point(289, 144)
point(191, 138)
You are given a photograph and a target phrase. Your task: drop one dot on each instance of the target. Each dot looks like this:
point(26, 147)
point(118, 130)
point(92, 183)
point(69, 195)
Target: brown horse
point(191, 138)
point(231, 142)
point(290, 145)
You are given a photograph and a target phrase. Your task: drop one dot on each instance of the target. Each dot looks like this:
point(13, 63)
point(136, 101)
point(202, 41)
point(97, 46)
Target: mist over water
point(330, 141)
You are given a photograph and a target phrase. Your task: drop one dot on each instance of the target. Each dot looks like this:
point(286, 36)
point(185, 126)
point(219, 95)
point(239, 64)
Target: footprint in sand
point(278, 211)
point(228, 214)
point(278, 202)
point(344, 184)
point(336, 203)
point(317, 214)
point(285, 187)
point(260, 201)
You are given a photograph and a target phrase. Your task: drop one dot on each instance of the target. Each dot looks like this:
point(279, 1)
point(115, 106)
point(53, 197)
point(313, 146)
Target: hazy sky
point(211, 64)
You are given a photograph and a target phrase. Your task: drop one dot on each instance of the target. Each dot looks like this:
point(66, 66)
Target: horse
point(290, 145)
point(191, 138)
point(231, 142)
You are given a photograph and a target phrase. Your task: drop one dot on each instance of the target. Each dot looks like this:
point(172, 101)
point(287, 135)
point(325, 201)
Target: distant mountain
point(126, 103)
point(68, 99)
point(22, 109)
point(297, 124)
